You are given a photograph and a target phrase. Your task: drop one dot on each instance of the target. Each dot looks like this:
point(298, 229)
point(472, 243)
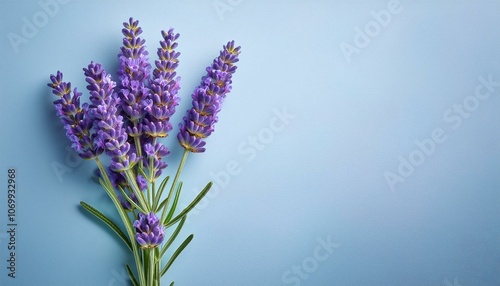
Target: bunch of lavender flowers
point(126, 120)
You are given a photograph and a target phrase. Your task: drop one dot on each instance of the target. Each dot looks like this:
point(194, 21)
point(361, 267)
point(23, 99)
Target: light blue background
point(321, 177)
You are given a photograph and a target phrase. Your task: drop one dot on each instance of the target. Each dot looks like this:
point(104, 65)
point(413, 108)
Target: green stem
point(151, 177)
point(151, 198)
point(157, 267)
point(152, 191)
point(135, 188)
point(138, 149)
point(125, 219)
point(137, 142)
point(151, 266)
point(179, 169)
point(174, 183)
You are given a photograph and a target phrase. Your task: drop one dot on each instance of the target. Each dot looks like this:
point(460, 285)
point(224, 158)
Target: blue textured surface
point(360, 144)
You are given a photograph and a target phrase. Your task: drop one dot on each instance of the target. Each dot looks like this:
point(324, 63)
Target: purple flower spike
point(111, 135)
point(77, 123)
point(149, 232)
point(164, 88)
point(207, 99)
point(134, 76)
point(133, 57)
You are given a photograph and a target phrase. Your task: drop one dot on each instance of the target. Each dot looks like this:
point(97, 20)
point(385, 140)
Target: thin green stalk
point(145, 262)
point(138, 193)
point(126, 197)
point(171, 238)
point(174, 204)
point(152, 192)
point(151, 254)
point(176, 254)
point(179, 169)
point(174, 183)
point(151, 198)
point(137, 142)
point(138, 149)
point(125, 219)
point(157, 197)
point(157, 267)
point(151, 174)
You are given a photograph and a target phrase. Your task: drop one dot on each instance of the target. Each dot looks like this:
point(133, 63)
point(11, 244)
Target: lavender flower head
point(207, 99)
point(134, 74)
point(133, 57)
point(149, 232)
point(164, 89)
point(75, 118)
point(111, 135)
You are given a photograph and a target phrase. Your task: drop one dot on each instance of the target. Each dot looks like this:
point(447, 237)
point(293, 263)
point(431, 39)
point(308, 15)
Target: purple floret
point(149, 232)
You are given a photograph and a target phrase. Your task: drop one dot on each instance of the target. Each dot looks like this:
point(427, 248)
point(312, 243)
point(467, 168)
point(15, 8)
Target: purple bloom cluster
point(125, 120)
point(207, 99)
point(149, 232)
point(75, 118)
point(164, 89)
point(111, 135)
point(140, 107)
point(134, 74)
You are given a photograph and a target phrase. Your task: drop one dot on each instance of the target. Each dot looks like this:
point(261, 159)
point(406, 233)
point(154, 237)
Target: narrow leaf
point(174, 203)
point(176, 253)
point(135, 189)
point(196, 200)
point(131, 201)
point(166, 202)
point(159, 193)
point(108, 222)
point(125, 219)
point(132, 276)
point(143, 173)
point(172, 237)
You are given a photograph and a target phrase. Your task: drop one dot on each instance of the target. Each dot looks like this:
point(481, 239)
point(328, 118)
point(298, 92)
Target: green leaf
point(131, 201)
point(172, 284)
point(166, 201)
point(143, 173)
point(108, 187)
point(108, 222)
point(132, 276)
point(159, 193)
point(176, 253)
point(174, 203)
point(196, 200)
point(132, 182)
point(172, 237)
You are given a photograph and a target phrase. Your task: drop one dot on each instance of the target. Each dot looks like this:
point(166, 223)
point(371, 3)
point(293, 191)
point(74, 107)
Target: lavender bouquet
point(126, 120)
